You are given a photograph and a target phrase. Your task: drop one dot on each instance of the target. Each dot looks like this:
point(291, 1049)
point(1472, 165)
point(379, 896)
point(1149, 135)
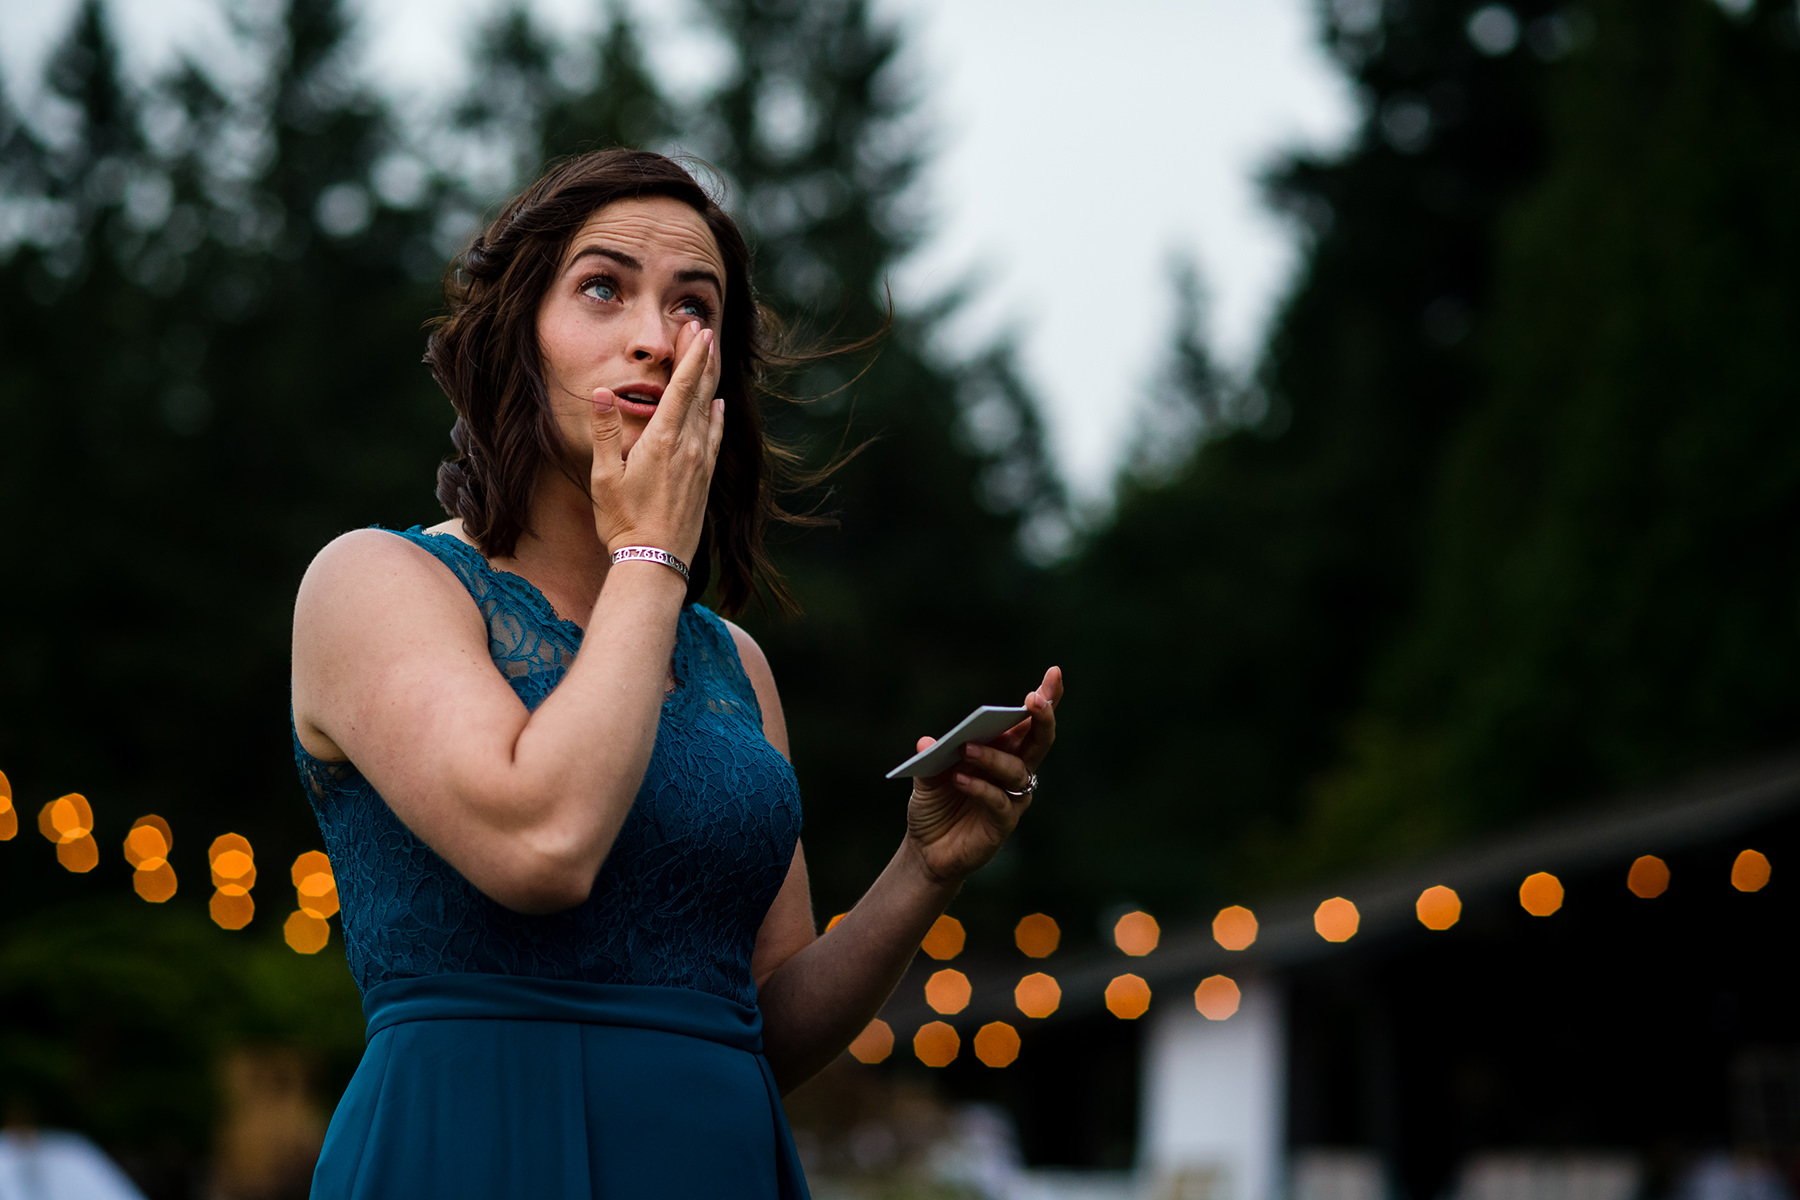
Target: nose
point(652, 336)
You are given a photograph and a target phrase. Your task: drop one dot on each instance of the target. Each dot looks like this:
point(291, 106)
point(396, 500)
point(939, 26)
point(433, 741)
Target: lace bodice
point(680, 898)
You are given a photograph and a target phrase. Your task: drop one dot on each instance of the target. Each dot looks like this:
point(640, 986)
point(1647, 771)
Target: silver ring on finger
point(1031, 786)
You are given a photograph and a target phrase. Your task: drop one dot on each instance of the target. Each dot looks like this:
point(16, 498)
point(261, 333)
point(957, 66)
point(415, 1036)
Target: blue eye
point(601, 287)
point(697, 308)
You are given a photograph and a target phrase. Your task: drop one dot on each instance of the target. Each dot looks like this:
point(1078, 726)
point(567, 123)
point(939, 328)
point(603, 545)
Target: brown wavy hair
point(484, 353)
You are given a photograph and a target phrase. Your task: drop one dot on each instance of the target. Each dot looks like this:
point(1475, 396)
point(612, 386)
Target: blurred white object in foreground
point(55, 1165)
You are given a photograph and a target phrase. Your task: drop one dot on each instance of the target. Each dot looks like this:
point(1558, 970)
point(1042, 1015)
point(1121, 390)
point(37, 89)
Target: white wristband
point(651, 554)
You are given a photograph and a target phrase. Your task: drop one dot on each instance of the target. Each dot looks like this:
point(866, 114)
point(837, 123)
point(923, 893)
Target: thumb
point(608, 430)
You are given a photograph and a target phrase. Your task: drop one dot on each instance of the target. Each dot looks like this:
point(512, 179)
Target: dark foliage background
point(1499, 522)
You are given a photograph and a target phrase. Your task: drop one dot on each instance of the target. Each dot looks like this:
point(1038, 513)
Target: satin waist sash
point(515, 998)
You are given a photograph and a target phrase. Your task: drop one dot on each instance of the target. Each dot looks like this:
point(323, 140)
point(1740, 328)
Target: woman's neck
point(561, 553)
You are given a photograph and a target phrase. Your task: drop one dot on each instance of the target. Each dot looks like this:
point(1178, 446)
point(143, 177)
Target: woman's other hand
point(657, 495)
point(958, 820)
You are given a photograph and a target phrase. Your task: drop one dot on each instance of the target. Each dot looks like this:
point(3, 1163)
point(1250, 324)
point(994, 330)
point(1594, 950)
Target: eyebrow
point(691, 275)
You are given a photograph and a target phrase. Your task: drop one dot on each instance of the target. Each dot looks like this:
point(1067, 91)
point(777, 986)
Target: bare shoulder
point(756, 669)
point(365, 574)
point(368, 596)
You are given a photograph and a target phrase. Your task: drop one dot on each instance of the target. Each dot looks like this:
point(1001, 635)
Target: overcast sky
point(1080, 144)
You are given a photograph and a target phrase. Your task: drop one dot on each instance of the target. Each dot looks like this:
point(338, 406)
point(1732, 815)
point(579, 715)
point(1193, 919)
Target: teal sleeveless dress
point(610, 1050)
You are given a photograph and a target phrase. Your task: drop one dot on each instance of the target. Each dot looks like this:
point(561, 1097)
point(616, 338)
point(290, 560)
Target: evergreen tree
point(1610, 601)
point(217, 370)
point(1236, 607)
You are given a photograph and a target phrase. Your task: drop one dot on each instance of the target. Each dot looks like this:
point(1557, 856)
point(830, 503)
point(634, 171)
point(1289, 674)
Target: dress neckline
point(545, 612)
point(530, 591)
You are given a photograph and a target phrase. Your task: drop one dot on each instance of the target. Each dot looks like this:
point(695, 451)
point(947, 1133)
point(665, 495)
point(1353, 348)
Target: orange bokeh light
point(1541, 894)
point(1038, 995)
point(79, 855)
point(1648, 877)
point(997, 1044)
point(936, 1044)
point(9, 817)
point(1136, 933)
point(161, 827)
point(5, 792)
point(1750, 873)
point(1037, 936)
point(305, 933)
point(66, 819)
point(1337, 920)
point(315, 885)
point(231, 911)
point(874, 1043)
point(154, 884)
point(229, 841)
point(1128, 997)
point(146, 847)
point(313, 862)
point(1235, 928)
point(829, 925)
point(1217, 997)
point(947, 991)
point(318, 895)
point(1439, 907)
point(945, 941)
point(234, 866)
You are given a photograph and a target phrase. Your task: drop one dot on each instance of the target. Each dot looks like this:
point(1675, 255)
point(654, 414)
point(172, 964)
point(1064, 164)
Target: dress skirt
point(488, 1086)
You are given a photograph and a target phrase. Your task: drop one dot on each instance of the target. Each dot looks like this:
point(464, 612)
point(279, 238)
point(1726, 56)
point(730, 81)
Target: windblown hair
point(485, 355)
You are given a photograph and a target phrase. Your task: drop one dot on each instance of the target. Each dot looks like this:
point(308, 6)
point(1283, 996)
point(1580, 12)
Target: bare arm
point(391, 670)
point(818, 992)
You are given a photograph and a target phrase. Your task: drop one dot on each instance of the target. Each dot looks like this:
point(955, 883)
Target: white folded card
point(981, 726)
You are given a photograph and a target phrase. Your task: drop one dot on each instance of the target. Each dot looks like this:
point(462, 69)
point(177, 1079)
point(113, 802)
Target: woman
point(553, 787)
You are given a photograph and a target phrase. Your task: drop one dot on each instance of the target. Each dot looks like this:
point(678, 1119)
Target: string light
point(233, 865)
point(945, 941)
point(147, 847)
point(1648, 877)
point(1217, 997)
point(947, 991)
point(1037, 936)
point(1038, 995)
point(306, 930)
point(1750, 873)
point(68, 821)
point(9, 816)
point(1136, 933)
point(315, 885)
point(997, 1044)
point(305, 933)
point(1337, 920)
point(1128, 997)
point(1439, 907)
point(936, 1044)
point(1235, 928)
point(1541, 894)
point(874, 1043)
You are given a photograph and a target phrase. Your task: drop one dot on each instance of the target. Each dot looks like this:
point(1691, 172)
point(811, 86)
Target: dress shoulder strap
point(463, 560)
point(720, 648)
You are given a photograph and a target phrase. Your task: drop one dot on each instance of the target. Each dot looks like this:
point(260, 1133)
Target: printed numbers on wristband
point(651, 554)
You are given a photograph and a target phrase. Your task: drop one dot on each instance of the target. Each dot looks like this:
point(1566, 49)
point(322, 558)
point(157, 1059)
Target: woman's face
point(632, 276)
